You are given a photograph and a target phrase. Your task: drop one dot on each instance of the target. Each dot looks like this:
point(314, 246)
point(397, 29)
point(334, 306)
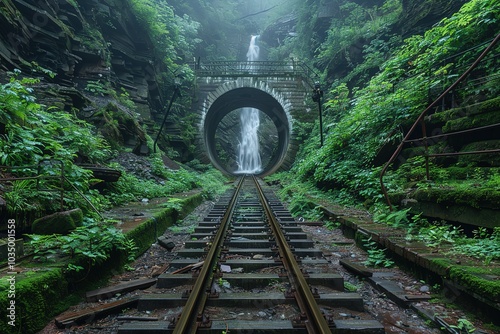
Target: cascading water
point(248, 158)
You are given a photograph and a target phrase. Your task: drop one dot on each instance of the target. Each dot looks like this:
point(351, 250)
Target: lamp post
point(316, 97)
point(175, 94)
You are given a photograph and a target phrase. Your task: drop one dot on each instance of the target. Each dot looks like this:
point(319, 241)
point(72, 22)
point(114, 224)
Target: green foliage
point(483, 246)
point(350, 287)
point(96, 88)
point(93, 243)
point(174, 36)
point(20, 196)
point(363, 120)
point(124, 99)
point(16, 99)
point(173, 203)
point(397, 218)
point(299, 205)
point(376, 256)
point(356, 22)
point(464, 326)
point(130, 188)
point(213, 183)
point(332, 225)
point(37, 135)
point(439, 233)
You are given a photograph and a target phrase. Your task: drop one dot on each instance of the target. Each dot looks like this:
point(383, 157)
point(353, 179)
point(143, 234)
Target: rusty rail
point(316, 322)
point(188, 321)
point(420, 119)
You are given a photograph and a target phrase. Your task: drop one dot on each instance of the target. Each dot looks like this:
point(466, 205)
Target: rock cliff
point(94, 48)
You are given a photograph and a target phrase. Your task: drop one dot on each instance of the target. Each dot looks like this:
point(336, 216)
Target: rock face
point(416, 17)
point(420, 15)
point(92, 46)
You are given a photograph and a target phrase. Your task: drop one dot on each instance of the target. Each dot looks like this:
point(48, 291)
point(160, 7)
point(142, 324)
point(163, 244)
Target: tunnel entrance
point(221, 129)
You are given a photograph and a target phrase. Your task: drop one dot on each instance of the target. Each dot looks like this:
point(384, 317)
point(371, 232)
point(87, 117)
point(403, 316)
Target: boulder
point(58, 223)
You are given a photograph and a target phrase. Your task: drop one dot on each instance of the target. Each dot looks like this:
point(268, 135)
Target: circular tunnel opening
point(228, 139)
point(222, 127)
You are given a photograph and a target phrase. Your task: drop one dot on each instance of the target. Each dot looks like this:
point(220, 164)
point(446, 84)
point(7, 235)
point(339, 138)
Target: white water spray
point(248, 158)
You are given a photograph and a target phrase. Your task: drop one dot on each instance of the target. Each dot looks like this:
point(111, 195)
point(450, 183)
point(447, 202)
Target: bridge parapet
point(257, 69)
point(279, 89)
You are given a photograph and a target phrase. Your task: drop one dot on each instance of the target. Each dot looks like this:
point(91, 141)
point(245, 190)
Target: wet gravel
point(335, 247)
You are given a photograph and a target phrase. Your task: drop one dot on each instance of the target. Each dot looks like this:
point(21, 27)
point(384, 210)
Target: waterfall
point(248, 158)
point(253, 49)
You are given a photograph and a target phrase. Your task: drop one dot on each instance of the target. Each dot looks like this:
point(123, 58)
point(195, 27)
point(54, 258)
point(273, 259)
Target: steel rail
point(188, 322)
point(316, 322)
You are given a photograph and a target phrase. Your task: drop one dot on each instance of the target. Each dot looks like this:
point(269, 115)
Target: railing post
point(426, 147)
point(316, 97)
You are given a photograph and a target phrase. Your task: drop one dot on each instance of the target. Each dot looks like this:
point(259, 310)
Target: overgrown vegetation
point(86, 246)
point(370, 106)
point(175, 36)
point(484, 244)
point(360, 121)
point(35, 133)
point(376, 256)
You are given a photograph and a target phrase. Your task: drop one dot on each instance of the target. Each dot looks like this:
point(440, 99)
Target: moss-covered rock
point(37, 298)
point(58, 223)
point(488, 106)
point(491, 160)
point(473, 197)
point(473, 121)
point(147, 232)
point(479, 281)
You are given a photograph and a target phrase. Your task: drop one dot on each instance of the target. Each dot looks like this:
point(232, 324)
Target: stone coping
point(474, 278)
point(42, 293)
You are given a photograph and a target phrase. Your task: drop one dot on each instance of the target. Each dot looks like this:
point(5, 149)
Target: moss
point(474, 280)
point(485, 159)
point(440, 265)
point(38, 297)
point(469, 122)
point(474, 197)
point(146, 233)
point(483, 107)
point(59, 222)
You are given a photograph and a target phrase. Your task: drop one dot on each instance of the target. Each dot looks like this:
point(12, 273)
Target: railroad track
point(252, 270)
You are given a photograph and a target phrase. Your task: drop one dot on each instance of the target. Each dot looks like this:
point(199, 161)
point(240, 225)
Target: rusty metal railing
point(60, 177)
point(421, 120)
point(290, 68)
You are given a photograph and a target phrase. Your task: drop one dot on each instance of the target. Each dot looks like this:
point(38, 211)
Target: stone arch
point(239, 93)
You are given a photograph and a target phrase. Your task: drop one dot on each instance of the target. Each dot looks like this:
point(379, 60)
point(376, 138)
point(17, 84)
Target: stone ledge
point(475, 279)
point(43, 295)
